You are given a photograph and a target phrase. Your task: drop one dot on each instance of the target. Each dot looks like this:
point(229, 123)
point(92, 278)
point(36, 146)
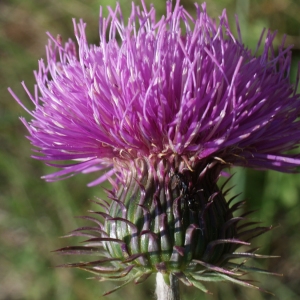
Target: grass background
point(33, 214)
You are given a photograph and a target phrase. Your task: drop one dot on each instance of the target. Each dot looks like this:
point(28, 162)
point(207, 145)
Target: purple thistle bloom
point(161, 108)
point(150, 90)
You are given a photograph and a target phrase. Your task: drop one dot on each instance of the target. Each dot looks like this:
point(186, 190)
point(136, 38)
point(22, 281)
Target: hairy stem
point(164, 291)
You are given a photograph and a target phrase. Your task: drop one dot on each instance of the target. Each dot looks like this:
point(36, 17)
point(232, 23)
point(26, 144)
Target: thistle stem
point(164, 291)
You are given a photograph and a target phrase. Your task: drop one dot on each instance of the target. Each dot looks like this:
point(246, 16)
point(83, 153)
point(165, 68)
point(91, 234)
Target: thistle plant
point(160, 109)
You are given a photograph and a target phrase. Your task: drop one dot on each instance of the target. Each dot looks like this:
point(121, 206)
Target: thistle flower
point(152, 91)
point(161, 108)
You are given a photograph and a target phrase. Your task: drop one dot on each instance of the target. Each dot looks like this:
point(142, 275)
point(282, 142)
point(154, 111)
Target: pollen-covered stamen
point(168, 219)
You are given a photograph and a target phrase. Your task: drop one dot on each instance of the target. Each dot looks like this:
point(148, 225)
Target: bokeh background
point(34, 214)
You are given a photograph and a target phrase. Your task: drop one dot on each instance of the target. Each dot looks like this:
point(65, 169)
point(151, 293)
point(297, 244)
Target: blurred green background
point(34, 214)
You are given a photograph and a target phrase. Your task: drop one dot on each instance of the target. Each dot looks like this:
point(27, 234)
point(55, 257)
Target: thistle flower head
point(179, 87)
point(162, 107)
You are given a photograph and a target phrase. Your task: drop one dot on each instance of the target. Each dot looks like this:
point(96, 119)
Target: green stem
point(165, 291)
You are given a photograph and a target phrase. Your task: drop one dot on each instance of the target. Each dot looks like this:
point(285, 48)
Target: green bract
point(169, 219)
